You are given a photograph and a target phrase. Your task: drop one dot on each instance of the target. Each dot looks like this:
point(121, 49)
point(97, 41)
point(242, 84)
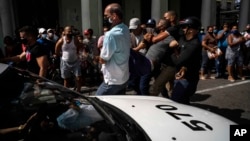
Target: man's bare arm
point(17, 58)
point(42, 62)
point(58, 47)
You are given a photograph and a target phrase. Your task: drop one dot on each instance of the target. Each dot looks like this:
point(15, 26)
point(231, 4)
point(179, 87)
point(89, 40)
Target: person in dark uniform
point(187, 61)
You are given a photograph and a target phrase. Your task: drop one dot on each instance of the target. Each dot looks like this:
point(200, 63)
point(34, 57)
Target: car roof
point(163, 119)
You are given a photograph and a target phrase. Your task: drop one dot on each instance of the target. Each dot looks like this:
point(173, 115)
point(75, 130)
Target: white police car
point(45, 110)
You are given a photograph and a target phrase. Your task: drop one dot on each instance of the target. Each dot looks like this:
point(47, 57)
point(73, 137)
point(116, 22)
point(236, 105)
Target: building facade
point(84, 14)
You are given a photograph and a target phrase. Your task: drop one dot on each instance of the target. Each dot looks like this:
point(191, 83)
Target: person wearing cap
point(47, 44)
point(136, 34)
point(187, 61)
point(51, 35)
point(135, 68)
point(114, 55)
point(90, 41)
point(150, 26)
point(154, 56)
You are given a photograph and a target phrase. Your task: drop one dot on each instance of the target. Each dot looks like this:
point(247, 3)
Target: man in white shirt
point(114, 55)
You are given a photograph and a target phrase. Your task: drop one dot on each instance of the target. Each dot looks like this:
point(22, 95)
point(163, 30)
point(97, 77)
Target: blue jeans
point(140, 83)
point(145, 84)
point(220, 65)
point(183, 90)
point(105, 89)
point(206, 64)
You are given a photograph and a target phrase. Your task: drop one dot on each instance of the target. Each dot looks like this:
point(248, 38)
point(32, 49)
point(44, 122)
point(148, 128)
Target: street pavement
point(229, 99)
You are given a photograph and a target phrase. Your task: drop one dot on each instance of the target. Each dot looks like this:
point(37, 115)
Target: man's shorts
point(67, 68)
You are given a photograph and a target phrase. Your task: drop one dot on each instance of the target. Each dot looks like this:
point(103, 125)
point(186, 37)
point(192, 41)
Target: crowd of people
point(172, 54)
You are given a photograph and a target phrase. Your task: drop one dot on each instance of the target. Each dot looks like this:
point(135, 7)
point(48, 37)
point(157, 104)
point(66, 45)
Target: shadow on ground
point(232, 114)
point(199, 97)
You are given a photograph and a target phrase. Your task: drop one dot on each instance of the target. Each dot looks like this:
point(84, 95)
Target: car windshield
point(18, 84)
point(44, 110)
point(124, 122)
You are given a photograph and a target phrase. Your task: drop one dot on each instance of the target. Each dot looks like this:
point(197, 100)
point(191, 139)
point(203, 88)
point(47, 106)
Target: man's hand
point(173, 43)
point(181, 73)
point(148, 37)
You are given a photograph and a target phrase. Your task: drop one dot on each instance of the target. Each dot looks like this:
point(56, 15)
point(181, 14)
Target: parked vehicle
point(45, 110)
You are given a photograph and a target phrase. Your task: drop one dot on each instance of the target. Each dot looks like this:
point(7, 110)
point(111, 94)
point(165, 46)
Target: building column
point(244, 14)
point(6, 15)
point(92, 18)
point(158, 8)
point(224, 4)
point(208, 13)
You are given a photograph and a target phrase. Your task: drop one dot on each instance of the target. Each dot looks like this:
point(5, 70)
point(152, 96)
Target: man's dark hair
point(210, 26)
point(91, 31)
point(29, 30)
point(166, 23)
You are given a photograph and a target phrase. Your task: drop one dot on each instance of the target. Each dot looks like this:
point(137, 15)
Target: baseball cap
point(151, 23)
point(50, 30)
point(134, 23)
point(41, 30)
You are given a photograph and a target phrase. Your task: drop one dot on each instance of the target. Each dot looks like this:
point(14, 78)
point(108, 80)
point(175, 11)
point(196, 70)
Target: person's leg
point(209, 68)
point(78, 83)
point(102, 89)
point(191, 89)
point(223, 65)
point(204, 64)
point(78, 76)
point(145, 84)
point(167, 75)
point(183, 90)
point(230, 65)
point(105, 89)
point(133, 83)
point(65, 73)
point(217, 67)
point(240, 67)
point(248, 58)
point(179, 93)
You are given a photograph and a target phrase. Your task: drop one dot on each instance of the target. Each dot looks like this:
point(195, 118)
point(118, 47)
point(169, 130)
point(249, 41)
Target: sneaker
point(231, 79)
point(217, 76)
point(212, 77)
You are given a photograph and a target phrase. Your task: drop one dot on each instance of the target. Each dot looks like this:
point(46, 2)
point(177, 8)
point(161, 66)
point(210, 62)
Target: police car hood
point(166, 120)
